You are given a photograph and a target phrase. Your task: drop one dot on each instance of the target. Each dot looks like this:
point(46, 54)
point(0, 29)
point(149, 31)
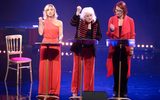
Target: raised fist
point(79, 8)
point(40, 20)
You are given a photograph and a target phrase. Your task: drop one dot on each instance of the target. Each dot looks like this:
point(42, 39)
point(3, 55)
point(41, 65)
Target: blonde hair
point(46, 8)
point(88, 10)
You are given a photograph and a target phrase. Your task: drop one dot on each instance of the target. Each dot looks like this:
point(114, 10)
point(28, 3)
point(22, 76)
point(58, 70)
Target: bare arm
point(41, 26)
point(60, 31)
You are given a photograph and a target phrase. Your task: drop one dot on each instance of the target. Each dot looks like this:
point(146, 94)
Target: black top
point(76, 47)
point(89, 34)
point(120, 31)
point(75, 22)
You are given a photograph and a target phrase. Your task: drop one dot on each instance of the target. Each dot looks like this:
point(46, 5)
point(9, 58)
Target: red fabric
point(128, 29)
point(88, 70)
point(109, 65)
point(54, 63)
point(128, 32)
point(51, 32)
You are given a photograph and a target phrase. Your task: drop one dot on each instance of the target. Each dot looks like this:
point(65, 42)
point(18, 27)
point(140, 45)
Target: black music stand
point(82, 42)
point(47, 58)
point(120, 43)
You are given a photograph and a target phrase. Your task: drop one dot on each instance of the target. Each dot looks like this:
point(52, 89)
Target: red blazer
point(128, 32)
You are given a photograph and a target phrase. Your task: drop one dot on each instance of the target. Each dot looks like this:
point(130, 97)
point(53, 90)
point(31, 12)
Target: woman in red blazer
point(120, 26)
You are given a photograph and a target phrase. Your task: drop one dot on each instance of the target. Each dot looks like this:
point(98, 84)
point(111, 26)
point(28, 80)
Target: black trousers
point(120, 54)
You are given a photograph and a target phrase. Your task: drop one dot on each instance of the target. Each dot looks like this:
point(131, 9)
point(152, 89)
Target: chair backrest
point(14, 45)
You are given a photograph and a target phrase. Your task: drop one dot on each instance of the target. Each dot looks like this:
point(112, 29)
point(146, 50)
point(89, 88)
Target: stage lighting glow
point(0, 51)
point(142, 57)
point(147, 46)
point(70, 53)
point(4, 51)
point(133, 57)
point(62, 53)
point(70, 43)
point(67, 54)
point(62, 43)
point(138, 45)
point(67, 43)
point(142, 45)
point(151, 46)
point(35, 26)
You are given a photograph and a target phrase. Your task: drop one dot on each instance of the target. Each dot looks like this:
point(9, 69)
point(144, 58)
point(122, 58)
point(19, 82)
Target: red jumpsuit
point(53, 54)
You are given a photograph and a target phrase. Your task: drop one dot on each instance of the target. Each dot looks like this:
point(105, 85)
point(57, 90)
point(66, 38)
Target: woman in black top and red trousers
point(87, 27)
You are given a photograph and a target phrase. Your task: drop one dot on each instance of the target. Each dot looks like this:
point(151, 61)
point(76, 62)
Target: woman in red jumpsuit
point(120, 26)
point(52, 31)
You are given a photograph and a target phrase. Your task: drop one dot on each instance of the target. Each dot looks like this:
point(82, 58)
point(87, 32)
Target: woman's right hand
point(79, 8)
point(41, 25)
point(41, 20)
point(112, 27)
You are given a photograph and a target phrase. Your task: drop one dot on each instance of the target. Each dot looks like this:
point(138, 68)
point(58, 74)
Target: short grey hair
point(88, 10)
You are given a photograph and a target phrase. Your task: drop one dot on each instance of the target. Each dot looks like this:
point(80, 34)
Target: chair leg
point(7, 72)
point(30, 64)
point(18, 92)
point(20, 70)
point(30, 91)
point(17, 73)
point(6, 90)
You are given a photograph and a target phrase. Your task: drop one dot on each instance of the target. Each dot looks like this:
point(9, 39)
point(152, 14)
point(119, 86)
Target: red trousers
point(49, 70)
point(88, 71)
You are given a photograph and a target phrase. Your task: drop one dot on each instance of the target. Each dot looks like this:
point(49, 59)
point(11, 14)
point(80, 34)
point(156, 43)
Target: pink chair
point(14, 56)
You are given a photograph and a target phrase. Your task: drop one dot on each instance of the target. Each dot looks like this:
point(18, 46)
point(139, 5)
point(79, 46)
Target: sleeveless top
point(51, 32)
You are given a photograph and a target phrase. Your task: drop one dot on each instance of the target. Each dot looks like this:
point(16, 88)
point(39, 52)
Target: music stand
point(82, 42)
point(120, 43)
point(47, 45)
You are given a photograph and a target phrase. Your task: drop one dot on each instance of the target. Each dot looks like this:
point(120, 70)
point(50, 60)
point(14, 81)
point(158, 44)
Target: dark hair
point(122, 5)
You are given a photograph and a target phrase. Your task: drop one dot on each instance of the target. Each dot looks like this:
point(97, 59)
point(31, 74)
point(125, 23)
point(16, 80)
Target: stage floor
point(144, 83)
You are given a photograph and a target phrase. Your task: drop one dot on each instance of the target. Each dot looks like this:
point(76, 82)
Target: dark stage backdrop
point(25, 13)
